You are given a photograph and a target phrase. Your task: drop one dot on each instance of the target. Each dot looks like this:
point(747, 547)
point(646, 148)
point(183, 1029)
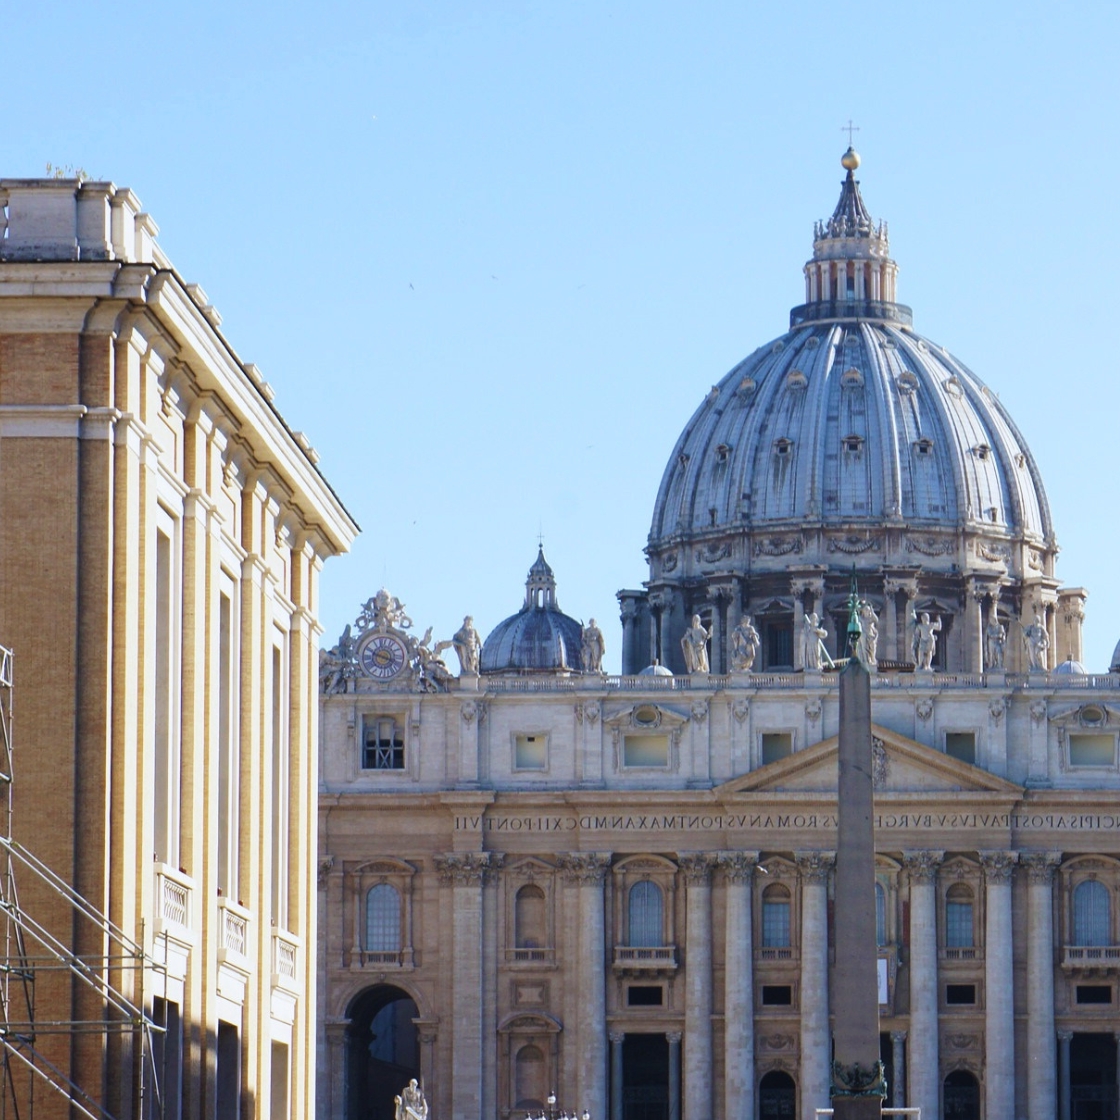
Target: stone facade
point(619, 888)
point(162, 532)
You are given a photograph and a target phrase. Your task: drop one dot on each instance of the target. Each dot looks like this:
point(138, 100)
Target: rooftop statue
point(468, 645)
point(745, 644)
point(925, 641)
point(694, 646)
point(812, 637)
point(592, 647)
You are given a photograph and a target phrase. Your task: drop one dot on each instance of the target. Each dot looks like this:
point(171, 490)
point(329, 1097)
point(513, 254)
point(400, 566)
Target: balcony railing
point(174, 896)
point(1091, 956)
point(649, 958)
point(775, 953)
point(233, 933)
point(962, 953)
point(531, 956)
point(285, 956)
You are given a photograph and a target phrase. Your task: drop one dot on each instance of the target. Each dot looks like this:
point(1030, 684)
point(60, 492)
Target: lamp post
point(552, 1105)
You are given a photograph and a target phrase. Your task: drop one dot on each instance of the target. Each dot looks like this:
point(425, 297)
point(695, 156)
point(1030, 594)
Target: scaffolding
point(97, 982)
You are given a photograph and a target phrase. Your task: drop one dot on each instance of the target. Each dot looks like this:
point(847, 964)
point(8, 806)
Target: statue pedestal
point(468, 682)
point(996, 676)
point(857, 1108)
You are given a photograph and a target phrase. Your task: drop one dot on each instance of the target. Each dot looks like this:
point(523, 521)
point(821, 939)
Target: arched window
point(880, 915)
point(1092, 923)
point(647, 910)
point(528, 1078)
point(775, 917)
point(383, 919)
point(958, 917)
point(529, 927)
point(961, 1095)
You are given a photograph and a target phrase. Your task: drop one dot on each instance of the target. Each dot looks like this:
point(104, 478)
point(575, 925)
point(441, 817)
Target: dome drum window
point(722, 452)
point(852, 379)
point(783, 447)
point(853, 445)
point(982, 451)
point(923, 447)
point(795, 379)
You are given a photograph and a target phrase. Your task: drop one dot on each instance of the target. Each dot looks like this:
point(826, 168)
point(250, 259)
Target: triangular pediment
point(900, 765)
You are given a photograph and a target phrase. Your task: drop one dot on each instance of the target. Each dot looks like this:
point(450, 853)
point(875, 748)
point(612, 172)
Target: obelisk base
point(857, 1108)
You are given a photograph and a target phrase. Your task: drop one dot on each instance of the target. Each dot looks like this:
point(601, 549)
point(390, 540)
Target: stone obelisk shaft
point(855, 987)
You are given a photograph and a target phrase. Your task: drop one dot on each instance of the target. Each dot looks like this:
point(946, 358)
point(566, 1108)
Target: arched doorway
point(962, 1096)
point(382, 1051)
point(777, 1096)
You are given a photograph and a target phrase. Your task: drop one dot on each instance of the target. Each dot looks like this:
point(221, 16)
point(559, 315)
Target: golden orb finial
point(850, 159)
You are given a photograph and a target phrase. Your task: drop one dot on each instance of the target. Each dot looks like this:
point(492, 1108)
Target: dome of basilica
point(540, 637)
point(850, 443)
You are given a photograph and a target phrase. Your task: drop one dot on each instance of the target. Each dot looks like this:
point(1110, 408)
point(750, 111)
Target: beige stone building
point(538, 878)
point(162, 532)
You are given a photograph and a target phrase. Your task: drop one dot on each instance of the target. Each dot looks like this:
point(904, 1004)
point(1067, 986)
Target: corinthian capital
point(998, 866)
point(922, 866)
point(738, 866)
point(467, 868)
point(697, 867)
point(815, 866)
point(1040, 865)
point(585, 867)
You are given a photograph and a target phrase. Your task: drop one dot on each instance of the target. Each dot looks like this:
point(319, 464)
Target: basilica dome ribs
point(850, 442)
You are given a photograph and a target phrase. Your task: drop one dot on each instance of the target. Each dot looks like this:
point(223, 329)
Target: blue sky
point(492, 255)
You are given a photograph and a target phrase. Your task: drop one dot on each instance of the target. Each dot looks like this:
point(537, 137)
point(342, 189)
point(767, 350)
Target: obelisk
point(857, 1074)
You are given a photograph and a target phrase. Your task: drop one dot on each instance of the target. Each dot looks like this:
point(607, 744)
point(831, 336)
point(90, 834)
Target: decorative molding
point(997, 708)
point(815, 866)
point(700, 710)
point(1038, 712)
point(930, 546)
point(740, 708)
point(853, 545)
point(738, 867)
point(922, 866)
point(1040, 866)
point(713, 551)
point(468, 868)
point(998, 866)
point(813, 710)
point(697, 867)
point(779, 546)
point(325, 867)
point(880, 763)
point(923, 709)
point(669, 562)
point(585, 868)
point(993, 553)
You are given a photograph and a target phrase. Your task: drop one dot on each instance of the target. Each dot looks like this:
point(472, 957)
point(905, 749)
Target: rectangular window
point(778, 644)
point(530, 752)
point(1092, 750)
point(775, 745)
point(228, 760)
point(645, 995)
point(645, 750)
point(958, 925)
point(775, 925)
point(167, 669)
point(777, 995)
point(1094, 993)
point(383, 747)
point(962, 745)
point(279, 790)
point(960, 994)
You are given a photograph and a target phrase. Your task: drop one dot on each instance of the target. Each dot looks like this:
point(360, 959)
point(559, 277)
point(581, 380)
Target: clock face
point(383, 657)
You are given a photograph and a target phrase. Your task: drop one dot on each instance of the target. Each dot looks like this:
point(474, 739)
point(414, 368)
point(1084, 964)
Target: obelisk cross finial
point(849, 128)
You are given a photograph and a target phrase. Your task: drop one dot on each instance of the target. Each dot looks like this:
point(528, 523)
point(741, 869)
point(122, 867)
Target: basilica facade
point(538, 880)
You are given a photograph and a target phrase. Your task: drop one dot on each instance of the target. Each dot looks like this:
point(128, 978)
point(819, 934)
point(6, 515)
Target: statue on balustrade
point(813, 635)
point(1038, 644)
point(995, 642)
point(694, 645)
point(592, 648)
point(745, 644)
point(468, 646)
point(925, 640)
point(867, 648)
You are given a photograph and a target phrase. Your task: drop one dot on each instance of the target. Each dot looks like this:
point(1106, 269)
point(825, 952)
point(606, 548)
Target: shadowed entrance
point(382, 1050)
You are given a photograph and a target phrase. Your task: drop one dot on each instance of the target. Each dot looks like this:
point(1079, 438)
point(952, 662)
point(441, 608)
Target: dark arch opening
point(382, 1051)
point(777, 1096)
point(961, 1096)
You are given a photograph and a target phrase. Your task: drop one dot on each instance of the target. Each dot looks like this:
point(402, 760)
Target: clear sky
point(492, 255)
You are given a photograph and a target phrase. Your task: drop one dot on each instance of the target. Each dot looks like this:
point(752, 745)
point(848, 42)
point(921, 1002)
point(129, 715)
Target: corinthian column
point(1042, 1072)
point(697, 868)
point(816, 1038)
point(738, 1015)
point(465, 871)
point(589, 870)
point(922, 1067)
point(999, 1011)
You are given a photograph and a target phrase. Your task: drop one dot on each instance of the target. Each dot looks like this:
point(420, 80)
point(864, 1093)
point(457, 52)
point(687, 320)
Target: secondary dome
point(849, 442)
point(540, 637)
